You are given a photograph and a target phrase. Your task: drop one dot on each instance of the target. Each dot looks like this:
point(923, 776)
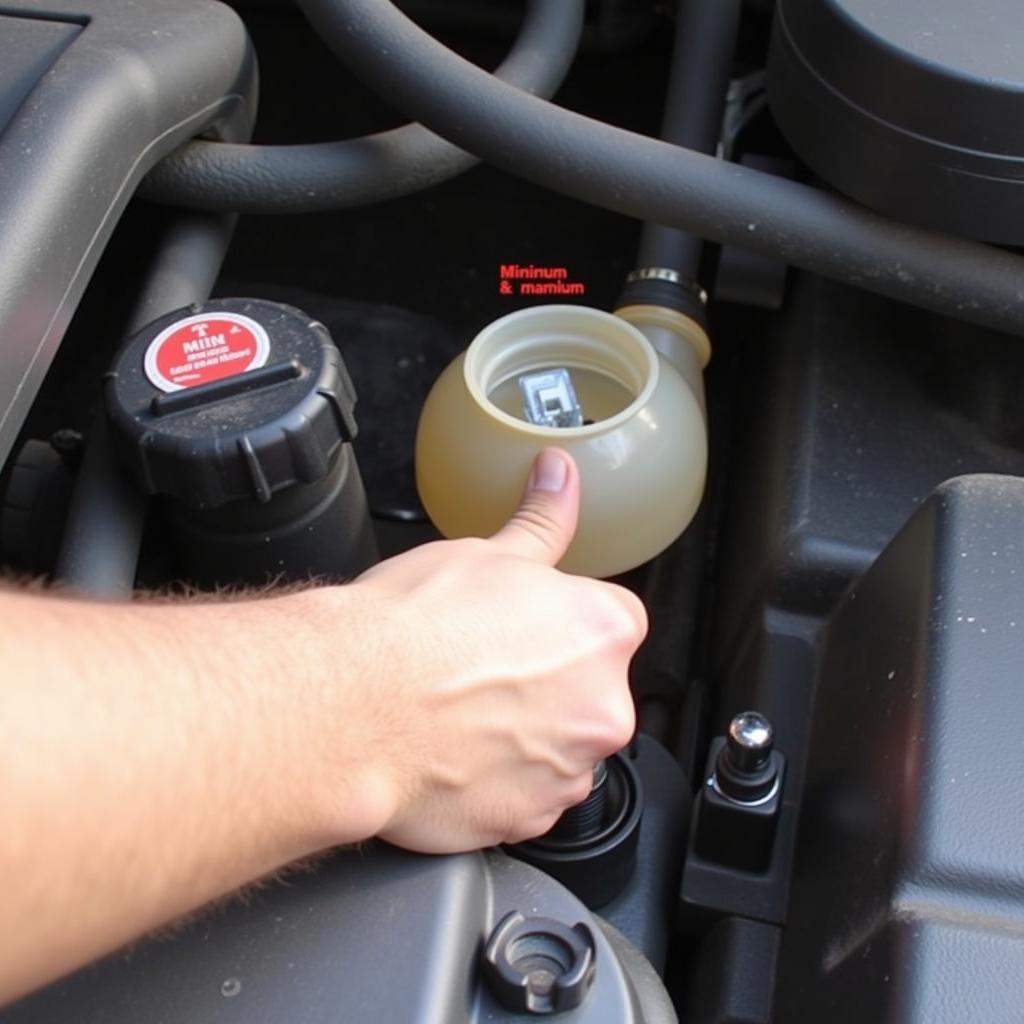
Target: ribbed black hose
point(100, 549)
point(653, 180)
point(356, 172)
point(702, 57)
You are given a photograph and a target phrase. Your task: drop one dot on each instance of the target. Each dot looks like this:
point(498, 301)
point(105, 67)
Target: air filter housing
point(913, 107)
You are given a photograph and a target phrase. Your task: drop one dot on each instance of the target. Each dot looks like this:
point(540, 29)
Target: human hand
point(451, 698)
point(503, 681)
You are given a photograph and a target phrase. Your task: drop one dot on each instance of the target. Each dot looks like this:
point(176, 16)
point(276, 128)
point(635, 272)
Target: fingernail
point(549, 472)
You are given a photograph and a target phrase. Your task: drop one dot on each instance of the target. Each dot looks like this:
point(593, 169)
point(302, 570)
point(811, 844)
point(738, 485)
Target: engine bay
point(755, 265)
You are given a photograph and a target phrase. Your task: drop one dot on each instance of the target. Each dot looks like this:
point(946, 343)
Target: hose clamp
point(670, 276)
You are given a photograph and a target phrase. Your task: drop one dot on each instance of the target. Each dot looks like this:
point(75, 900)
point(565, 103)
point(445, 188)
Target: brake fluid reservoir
point(591, 383)
point(239, 414)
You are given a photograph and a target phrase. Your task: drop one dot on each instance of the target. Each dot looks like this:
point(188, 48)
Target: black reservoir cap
point(232, 400)
point(912, 107)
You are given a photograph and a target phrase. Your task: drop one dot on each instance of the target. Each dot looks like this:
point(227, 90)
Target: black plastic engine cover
point(908, 892)
point(910, 106)
point(92, 94)
point(373, 935)
point(376, 934)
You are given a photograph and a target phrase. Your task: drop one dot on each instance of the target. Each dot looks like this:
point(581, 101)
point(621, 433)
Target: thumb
point(545, 521)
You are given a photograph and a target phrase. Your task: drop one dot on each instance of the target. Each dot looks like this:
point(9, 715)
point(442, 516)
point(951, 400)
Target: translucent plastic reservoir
point(642, 459)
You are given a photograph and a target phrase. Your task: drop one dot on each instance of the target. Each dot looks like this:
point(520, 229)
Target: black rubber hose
point(335, 175)
point(103, 535)
point(702, 56)
point(652, 180)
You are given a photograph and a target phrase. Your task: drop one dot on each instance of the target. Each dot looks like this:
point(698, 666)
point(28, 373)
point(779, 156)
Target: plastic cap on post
point(539, 965)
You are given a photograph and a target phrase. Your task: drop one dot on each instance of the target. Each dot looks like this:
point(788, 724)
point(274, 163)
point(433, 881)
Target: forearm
point(156, 757)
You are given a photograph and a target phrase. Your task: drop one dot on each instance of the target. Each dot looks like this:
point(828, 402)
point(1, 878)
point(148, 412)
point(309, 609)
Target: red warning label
point(205, 348)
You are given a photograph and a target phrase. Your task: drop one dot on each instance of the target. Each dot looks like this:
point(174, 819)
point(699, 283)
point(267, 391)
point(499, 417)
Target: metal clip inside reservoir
point(549, 399)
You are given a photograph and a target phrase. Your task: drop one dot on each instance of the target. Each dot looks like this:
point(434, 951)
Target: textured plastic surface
point(28, 48)
point(649, 459)
point(912, 107)
point(908, 895)
point(851, 411)
point(731, 980)
point(855, 409)
point(374, 934)
point(318, 530)
point(136, 81)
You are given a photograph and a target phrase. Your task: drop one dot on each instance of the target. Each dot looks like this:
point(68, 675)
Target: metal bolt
point(750, 738)
point(586, 819)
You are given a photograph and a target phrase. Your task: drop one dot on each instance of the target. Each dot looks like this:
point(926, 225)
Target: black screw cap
point(207, 419)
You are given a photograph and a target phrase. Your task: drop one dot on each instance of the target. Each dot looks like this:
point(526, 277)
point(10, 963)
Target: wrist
point(345, 779)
